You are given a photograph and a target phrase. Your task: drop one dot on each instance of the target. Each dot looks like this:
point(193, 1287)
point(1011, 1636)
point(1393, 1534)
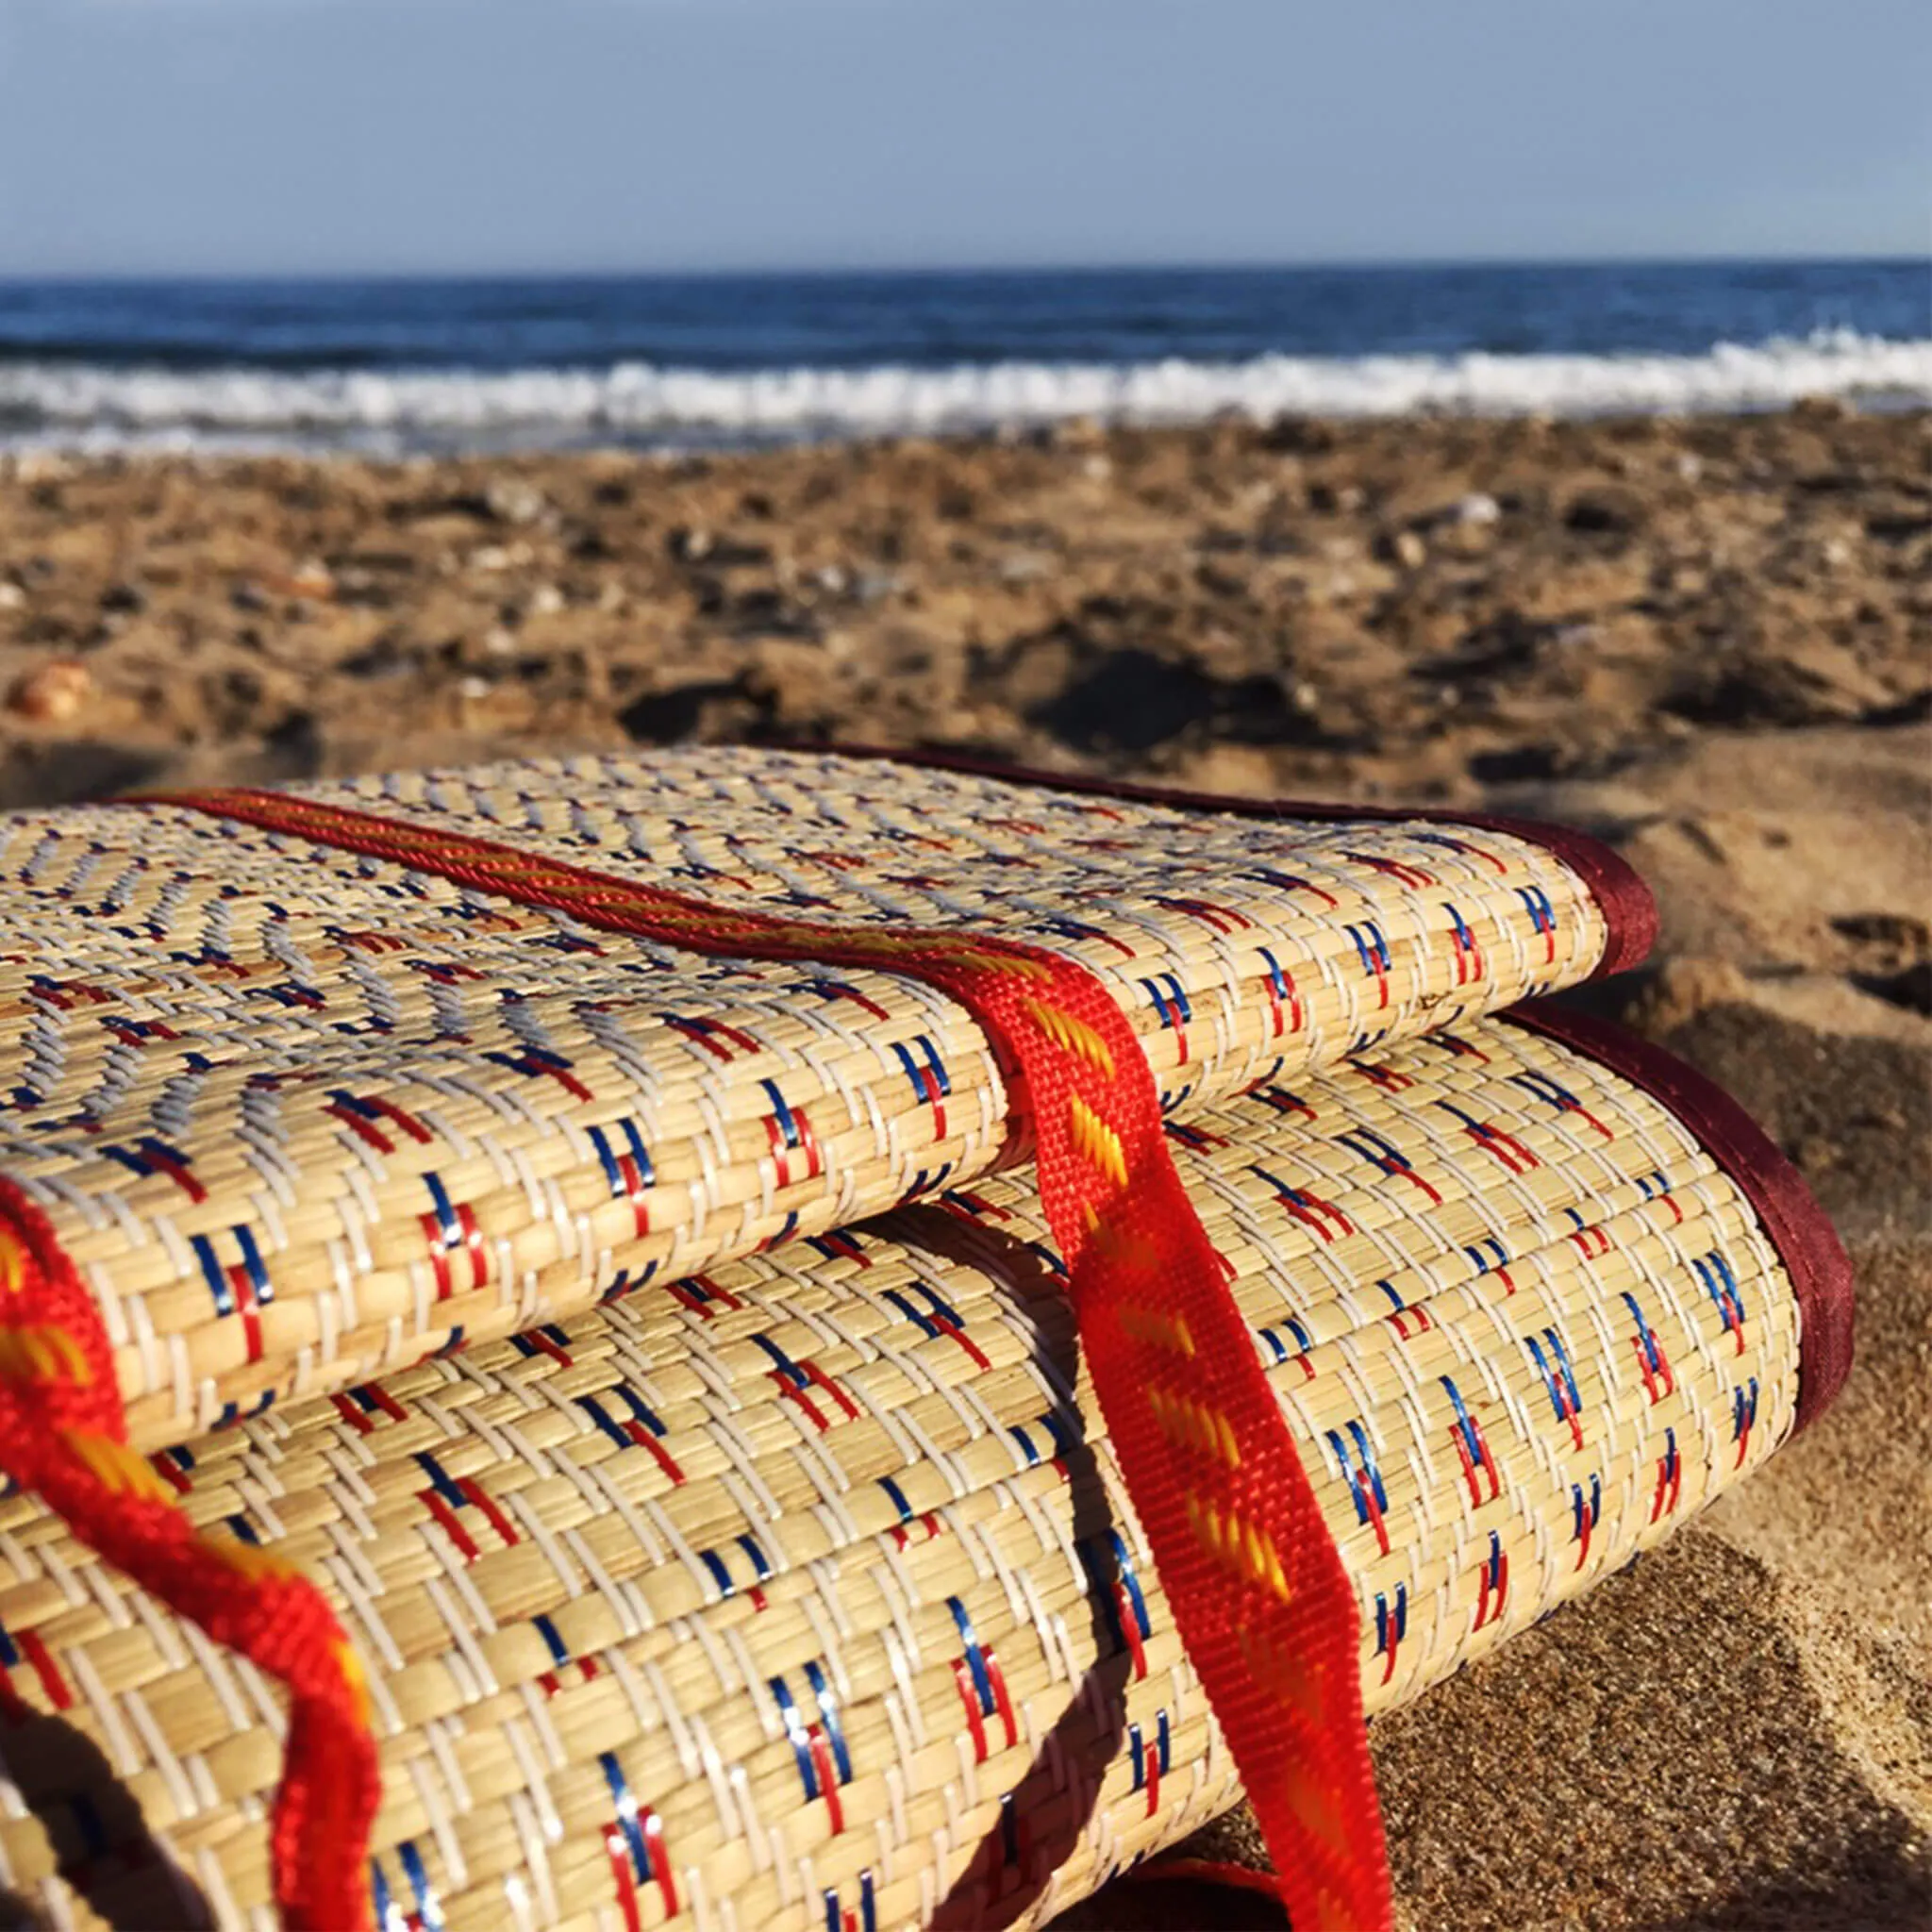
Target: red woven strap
point(62, 1433)
point(1172, 1869)
point(1252, 1575)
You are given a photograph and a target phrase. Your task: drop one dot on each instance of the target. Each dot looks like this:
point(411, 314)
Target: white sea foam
point(87, 405)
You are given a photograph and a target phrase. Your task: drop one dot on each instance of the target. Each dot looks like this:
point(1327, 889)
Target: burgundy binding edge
point(1806, 1243)
point(1629, 909)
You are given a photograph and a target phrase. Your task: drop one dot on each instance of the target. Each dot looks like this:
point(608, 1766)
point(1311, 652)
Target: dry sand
point(1711, 640)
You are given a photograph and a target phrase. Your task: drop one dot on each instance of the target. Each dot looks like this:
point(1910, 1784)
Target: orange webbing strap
point(1257, 1587)
point(62, 1433)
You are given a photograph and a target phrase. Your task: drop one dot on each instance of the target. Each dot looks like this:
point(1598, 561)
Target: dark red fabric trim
point(1628, 908)
point(1806, 1240)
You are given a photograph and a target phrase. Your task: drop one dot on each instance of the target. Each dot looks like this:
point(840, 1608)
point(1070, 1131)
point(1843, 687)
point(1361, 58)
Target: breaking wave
point(97, 406)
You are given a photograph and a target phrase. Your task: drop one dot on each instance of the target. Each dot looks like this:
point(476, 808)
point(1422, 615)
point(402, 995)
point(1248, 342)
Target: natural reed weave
point(803, 1592)
point(442, 1115)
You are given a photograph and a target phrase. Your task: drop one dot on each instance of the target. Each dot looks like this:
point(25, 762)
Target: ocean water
point(398, 366)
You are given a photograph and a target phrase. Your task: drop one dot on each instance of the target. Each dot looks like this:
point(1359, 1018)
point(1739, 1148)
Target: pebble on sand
point(53, 692)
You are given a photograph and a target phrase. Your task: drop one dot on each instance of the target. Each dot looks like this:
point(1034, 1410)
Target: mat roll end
point(1796, 1226)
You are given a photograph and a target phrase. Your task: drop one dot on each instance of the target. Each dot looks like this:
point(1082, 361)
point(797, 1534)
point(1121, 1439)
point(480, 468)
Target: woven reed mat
point(211, 1015)
point(664, 1363)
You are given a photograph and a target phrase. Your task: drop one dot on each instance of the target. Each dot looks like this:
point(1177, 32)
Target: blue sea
point(392, 367)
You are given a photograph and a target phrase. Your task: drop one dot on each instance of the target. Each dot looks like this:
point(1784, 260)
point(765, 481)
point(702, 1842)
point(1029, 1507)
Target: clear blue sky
point(272, 136)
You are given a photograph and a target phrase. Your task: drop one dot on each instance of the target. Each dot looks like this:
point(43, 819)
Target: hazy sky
point(399, 135)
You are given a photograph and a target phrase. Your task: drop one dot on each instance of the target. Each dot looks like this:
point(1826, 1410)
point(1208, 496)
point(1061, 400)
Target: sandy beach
point(1710, 639)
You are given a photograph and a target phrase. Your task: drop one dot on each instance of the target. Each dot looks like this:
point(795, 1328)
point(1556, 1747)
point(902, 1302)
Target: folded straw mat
point(666, 1364)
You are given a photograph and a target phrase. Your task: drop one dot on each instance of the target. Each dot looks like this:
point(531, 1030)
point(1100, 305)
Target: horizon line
point(1179, 265)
